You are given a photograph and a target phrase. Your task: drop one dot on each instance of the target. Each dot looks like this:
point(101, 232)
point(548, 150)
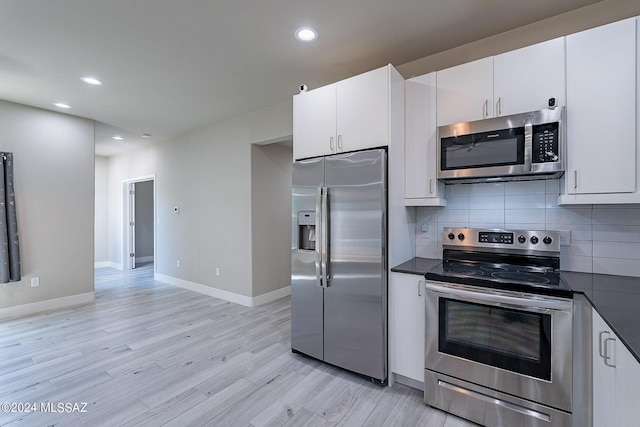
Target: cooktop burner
point(516, 260)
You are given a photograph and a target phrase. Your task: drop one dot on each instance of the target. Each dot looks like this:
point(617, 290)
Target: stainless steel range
point(499, 329)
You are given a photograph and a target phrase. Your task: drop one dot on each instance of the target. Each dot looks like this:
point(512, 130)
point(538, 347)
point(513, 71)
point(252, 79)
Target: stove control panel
point(495, 237)
point(508, 240)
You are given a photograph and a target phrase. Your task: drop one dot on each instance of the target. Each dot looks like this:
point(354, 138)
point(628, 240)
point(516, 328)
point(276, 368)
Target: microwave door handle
point(528, 143)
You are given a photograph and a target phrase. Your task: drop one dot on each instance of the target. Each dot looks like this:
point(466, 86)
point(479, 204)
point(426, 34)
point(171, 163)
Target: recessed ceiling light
point(117, 137)
point(146, 135)
point(61, 105)
point(306, 34)
point(91, 80)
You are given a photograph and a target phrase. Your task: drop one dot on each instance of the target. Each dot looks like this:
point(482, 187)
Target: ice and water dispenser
point(307, 230)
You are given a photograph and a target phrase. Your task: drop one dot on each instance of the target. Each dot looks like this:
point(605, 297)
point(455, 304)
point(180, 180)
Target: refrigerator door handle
point(324, 239)
point(319, 237)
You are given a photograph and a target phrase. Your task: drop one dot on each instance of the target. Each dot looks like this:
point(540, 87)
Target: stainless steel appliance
point(338, 265)
point(499, 346)
point(516, 147)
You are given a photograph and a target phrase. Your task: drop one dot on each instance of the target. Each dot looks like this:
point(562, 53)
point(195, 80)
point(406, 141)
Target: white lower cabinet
point(406, 325)
point(616, 379)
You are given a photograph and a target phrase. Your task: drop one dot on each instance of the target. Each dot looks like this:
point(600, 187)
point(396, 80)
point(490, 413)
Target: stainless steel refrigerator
point(338, 265)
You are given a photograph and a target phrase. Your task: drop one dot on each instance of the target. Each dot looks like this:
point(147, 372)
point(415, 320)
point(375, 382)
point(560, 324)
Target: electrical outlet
point(217, 271)
point(178, 263)
point(35, 282)
point(565, 237)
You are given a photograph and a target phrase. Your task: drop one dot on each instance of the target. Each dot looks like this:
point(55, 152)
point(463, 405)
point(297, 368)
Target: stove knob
point(533, 240)
point(451, 236)
point(547, 240)
point(522, 239)
point(461, 237)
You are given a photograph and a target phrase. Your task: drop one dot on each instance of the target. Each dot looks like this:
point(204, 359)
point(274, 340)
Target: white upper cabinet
point(421, 181)
point(314, 122)
point(602, 158)
point(465, 92)
point(526, 78)
point(514, 82)
point(350, 115)
point(363, 110)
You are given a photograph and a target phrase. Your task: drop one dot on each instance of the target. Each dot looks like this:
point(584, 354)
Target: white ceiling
point(172, 66)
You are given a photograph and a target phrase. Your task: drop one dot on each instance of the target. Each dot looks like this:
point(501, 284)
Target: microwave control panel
point(545, 144)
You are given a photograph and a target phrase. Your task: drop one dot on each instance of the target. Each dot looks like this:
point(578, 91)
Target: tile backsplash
point(604, 238)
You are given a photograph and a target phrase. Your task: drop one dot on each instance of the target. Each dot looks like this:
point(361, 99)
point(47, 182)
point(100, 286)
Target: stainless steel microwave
point(516, 147)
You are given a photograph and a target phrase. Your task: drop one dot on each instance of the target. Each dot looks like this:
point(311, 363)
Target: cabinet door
point(526, 78)
point(616, 379)
point(603, 376)
point(421, 183)
point(363, 111)
point(314, 123)
point(406, 325)
point(465, 92)
point(601, 109)
point(627, 387)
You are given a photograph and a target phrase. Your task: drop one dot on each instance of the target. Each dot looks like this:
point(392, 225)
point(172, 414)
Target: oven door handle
point(490, 296)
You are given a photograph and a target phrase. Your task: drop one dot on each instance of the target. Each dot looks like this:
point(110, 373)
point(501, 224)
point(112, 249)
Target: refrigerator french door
point(338, 266)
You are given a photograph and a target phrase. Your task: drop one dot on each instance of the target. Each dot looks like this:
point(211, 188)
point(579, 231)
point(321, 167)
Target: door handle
point(575, 179)
point(419, 288)
point(607, 356)
point(431, 186)
point(339, 142)
point(324, 263)
point(485, 109)
point(601, 342)
point(319, 237)
point(499, 106)
point(331, 143)
point(528, 143)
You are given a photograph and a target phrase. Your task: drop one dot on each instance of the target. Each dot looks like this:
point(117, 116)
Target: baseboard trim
point(48, 305)
point(107, 264)
point(271, 296)
point(222, 294)
point(409, 382)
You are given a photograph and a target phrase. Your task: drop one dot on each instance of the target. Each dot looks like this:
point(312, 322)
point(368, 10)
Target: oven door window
point(500, 148)
point(515, 340)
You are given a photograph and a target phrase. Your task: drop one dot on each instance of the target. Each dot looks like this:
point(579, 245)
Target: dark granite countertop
point(615, 298)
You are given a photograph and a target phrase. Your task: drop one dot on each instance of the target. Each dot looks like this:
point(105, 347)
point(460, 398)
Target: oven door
point(519, 344)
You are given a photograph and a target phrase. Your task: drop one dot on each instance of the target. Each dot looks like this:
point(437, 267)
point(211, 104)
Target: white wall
point(604, 238)
point(271, 167)
point(207, 174)
point(101, 251)
point(54, 182)
point(600, 13)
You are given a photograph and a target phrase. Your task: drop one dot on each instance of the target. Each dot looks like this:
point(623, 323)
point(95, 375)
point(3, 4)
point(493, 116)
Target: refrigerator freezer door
point(355, 300)
point(306, 295)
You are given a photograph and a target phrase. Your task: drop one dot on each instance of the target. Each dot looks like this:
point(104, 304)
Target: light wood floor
point(149, 354)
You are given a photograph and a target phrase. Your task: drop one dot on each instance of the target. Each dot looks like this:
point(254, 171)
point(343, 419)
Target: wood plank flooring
point(149, 354)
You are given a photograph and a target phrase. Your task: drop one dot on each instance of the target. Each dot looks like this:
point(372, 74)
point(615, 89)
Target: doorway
point(139, 223)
